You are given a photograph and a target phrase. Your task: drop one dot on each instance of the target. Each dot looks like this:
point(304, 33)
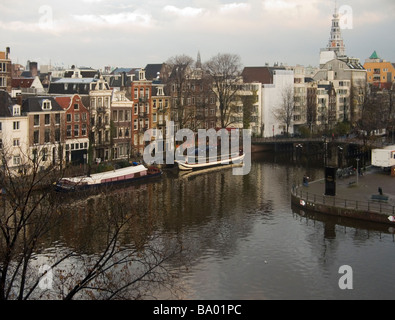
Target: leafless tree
point(372, 118)
point(224, 71)
point(180, 70)
point(285, 111)
point(124, 256)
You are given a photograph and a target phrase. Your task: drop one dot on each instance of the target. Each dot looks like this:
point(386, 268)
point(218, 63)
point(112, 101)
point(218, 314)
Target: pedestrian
point(305, 181)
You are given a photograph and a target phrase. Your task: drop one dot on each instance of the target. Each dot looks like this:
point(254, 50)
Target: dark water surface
point(245, 241)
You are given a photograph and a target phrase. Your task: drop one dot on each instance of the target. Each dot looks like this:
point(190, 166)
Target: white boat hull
point(183, 165)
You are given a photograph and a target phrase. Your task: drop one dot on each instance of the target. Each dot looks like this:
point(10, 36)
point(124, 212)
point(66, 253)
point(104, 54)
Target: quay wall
point(367, 211)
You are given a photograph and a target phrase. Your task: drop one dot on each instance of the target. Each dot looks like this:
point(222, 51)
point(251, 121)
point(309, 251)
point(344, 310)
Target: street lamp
point(357, 169)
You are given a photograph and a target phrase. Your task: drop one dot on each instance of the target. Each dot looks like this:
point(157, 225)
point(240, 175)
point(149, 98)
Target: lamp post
point(357, 169)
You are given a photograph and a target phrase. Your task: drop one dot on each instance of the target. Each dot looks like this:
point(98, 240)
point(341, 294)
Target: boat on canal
point(128, 174)
point(192, 162)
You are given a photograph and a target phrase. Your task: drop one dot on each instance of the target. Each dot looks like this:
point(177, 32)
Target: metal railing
point(370, 206)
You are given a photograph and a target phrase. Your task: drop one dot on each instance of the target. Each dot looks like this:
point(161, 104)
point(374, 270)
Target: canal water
point(245, 241)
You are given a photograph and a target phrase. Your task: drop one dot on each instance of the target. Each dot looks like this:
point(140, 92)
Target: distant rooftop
point(374, 56)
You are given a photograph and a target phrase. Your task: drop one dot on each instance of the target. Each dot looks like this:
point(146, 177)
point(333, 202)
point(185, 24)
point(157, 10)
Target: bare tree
point(123, 257)
point(372, 118)
point(248, 102)
point(224, 71)
point(285, 111)
point(180, 67)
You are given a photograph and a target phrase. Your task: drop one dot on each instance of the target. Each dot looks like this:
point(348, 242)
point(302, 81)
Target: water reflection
point(242, 238)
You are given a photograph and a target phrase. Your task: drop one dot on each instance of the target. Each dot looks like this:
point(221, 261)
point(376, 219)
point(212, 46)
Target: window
point(36, 120)
point(68, 131)
point(16, 142)
point(76, 130)
point(83, 129)
point(36, 136)
point(3, 67)
point(16, 125)
point(115, 115)
point(76, 106)
point(57, 134)
point(47, 119)
point(3, 81)
point(16, 110)
point(68, 117)
point(46, 105)
point(17, 160)
point(57, 118)
point(76, 117)
point(0, 126)
point(47, 135)
point(120, 115)
point(44, 154)
point(83, 117)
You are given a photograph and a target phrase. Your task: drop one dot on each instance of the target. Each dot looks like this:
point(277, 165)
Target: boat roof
point(109, 174)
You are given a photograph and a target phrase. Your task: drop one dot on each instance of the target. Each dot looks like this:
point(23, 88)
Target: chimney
point(33, 69)
point(7, 52)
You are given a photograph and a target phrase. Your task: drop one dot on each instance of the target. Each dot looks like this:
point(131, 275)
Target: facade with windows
point(100, 116)
point(5, 70)
point(13, 135)
point(46, 139)
point(76, 129)
point(380, 73)
point(121, 125)
point(141, 91)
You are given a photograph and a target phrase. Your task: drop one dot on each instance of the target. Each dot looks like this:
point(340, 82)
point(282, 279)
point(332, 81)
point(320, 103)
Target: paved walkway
point(368, 184)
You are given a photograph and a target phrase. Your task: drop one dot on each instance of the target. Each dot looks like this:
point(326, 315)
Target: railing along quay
point(369, 206)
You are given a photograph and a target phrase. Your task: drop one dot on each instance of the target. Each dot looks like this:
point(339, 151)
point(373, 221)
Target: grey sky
point(125, 33)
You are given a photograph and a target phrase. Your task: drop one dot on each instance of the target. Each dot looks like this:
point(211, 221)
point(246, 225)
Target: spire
point(374, 55)
point(336, 43)
point(198, 61)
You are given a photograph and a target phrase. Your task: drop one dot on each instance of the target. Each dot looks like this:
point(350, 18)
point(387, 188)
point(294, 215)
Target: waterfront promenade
point(353, 196)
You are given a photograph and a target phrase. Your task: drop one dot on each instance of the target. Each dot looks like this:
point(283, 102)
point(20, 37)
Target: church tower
point(336, 43)
point(335, 48)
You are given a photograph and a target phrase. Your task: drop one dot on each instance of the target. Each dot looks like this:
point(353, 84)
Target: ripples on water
point(245, 241)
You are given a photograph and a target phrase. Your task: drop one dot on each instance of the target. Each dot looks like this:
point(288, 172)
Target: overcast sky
point(98, 33)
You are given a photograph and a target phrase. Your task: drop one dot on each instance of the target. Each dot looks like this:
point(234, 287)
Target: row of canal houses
point(90, 117)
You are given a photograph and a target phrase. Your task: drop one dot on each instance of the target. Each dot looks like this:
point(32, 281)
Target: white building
point(272, 96)
point(13, 136)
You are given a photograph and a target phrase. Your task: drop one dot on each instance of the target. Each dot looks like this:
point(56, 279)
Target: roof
point(152, 71)
point(262, 75)
point(122, 70)
point(374, 56)
point(5, 104)
point(22, 82)
point(71, 86)
point(34, 104)
point(64, 102)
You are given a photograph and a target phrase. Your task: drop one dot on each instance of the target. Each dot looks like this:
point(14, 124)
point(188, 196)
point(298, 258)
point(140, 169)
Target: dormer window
point(16, 110)
point(46, 105)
